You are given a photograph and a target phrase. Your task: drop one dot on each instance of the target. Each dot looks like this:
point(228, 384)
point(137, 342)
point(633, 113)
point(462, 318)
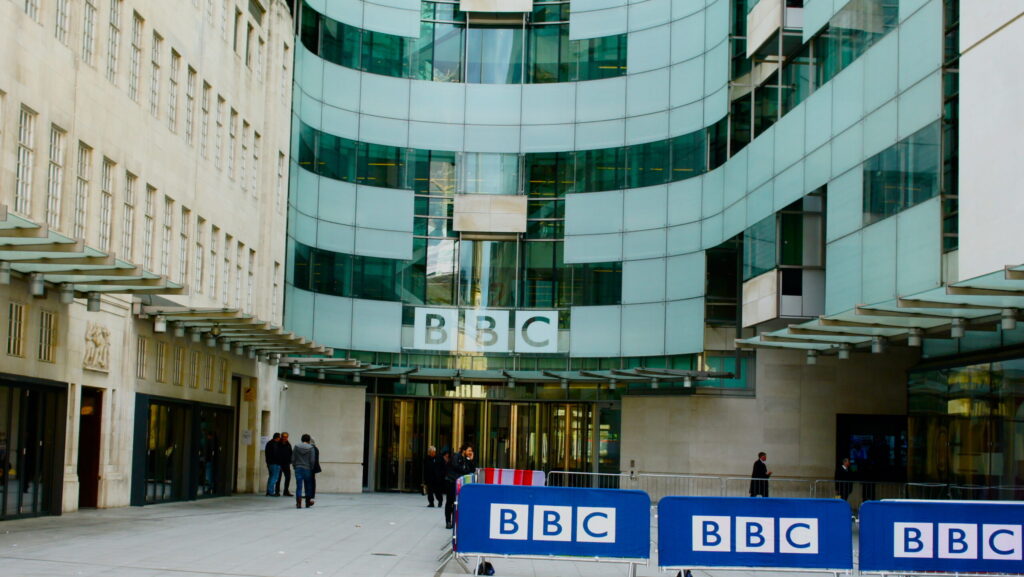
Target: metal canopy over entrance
point(231, 328)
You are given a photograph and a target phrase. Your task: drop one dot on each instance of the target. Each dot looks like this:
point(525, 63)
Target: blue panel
point(647, 92)
point(341, 122)
point(848, 149)
point(919, 248)
point(880, 65)
point(600, 134)
point(437, 101)
point(493, 103)
point(819, 115)
point(643, 244)
point(817, 13)
point(481, 138)
point(711, 232)
point(789, 187)
point(687, 119)
point(713, 192)
point(385, 96)
point(593, 248)
point(306, 193)
point(595, 331)
point(593, 213)
point(333, 325)
point(684, 238)
point(643, 329)
point(920, 105)
point(643, 281)
point(686, 276)
point(380, 325)
point(920, 44)
point(391, 20)
point(548, 103)
point(383, 243)
point(597, 23)
point(684, 327)
point(845, 205)
point(878, 268)
point(434, 136)
point(601, 99)
point(759, 159)
point(880, 129)
point(299, 304)
point(641, 129)
point(548, 138)
point(337, 201)
point(341, 86)
point(818, 168)
point(736, 177)
point(848, 96)
point(388, 131)
point(760, 203)
point(684, 198)
point(842, 275)
point(687, 38)
point(789, 138)
point(648, 14)
point(687, 82)
point(336, 237)
point(734, 220)
point(384, 208)
point(645, 207)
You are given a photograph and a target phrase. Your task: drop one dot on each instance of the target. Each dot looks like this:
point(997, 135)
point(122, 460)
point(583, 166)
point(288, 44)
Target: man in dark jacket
point(304, 459)
point(759, 477)
point(284, 454)
point(460, 464)
point(844, 480)
point(270, 454)
point(433, 476)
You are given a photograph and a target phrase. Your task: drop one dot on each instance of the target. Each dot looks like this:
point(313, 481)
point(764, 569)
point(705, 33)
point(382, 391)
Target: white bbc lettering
point(486, 331)
point(509, 521)
point(483, 330)
point(912, 540)
point(435, 329)
point(958, 541)
point(1001, 542)
point(755, 534)
point(595, 525)
point(552, 523)
point(536, 331)
point(712, 533)
point(798, 536)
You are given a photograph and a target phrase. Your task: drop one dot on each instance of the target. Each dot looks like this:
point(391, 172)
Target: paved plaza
point(367, 535)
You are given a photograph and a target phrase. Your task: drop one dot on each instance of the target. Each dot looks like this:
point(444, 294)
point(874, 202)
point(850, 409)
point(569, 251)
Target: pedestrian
point(285, 460)
point(433, 476)
point(303, 459)
point(759, 477)
point(844, 480)
point(270, 455)
point(316, 469)
point(460, 464)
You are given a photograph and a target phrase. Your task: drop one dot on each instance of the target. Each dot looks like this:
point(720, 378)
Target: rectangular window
point(135, 69)
point(225, 278)
point(208, 372)
point(89, 31)
point(61, 28)
point(26, 162)
point(141, 352)
point(273, 295)
point(239, 252)
point(256, 143)
point(236, 36)
point(261, 48)
point(154, 75)
point(194, 368)
point(285, 79)
point(32, 9)
point(212, 273)
point(16, 330)
point(106, 202)
point(128, 217)
point(82, 189)
point(183, 244)
point(190, 103)
point(232, 134)
point(55, 178)
point(279, 193)
point(250, 284)
point(178, 367)
point(47, 337)
point(250, 56)
point(204, 121)
point(218, 138)
point(172, 92)
point(198, 266)
point(150, 228)
point(165, 241)
point(161, 362)
point(114, 40)
point(225, 375)
point(243, 164)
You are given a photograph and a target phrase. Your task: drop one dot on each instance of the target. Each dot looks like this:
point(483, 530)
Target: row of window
point(18, 324)
point(535, 50)
point(178, 366)
point(471, 273)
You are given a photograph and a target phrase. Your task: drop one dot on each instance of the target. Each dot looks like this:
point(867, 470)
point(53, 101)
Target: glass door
point(30, 443)
point(214, 460)
point(165, 453)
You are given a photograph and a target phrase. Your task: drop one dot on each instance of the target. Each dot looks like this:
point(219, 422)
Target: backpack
point(485, 568)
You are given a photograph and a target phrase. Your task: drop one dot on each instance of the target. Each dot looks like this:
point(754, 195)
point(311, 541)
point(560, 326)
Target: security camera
point(286, 386)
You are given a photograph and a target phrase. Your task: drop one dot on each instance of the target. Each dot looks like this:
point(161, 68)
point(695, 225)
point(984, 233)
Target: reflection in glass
point(494, 56)
point(487, 273)
point(490, 173)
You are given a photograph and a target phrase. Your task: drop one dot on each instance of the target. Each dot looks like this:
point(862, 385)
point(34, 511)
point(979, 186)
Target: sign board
point(944, 536)
point(485, 330)
point(553, 521)
point(746, 532)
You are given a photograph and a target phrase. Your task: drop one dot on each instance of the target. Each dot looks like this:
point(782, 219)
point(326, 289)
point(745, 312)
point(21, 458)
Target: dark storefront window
point(32, 429)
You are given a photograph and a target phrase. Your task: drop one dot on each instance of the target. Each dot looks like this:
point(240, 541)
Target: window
point(198, 267)
point(141, 351)
point(208, 372)
point(232, 133)
point(32, 9)
point(903, 175)
point(135, 69)
point(161, 362)
point(279, 193)
point(212, 274)
point(225, 375)
point(165, 241)
point(26, 161)
point(114, 40)
point(273, 295)
point(250, 56)
point(285, 80)
point(55, 178)
point(183, 244)
point(154, 76)
point(106, 202)
point(225, 277)
point(261, 48)
point(250, 282)
point(239, 252)
point(204, 121)
point(16, 330)
point(47, 337)
point(149, 228)
point(244, 161)
point(178, 367)
point(128, 217)
point(218, 138)
point(172, 92)
point(61, 28)
point(256, 142)
point(89, 31)
point(194, 370)
point(236, 38)
point(190, 103)
point(82, 189)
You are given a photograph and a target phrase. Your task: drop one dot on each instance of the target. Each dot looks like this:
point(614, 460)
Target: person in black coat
point(759, 476)
point(460, 464)
point(844, 480)
point(434, 476)
point(284, 456)
point(273, 463)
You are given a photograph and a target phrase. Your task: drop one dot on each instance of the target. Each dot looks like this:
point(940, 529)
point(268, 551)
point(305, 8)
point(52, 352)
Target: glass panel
point(647, 164)
point(601, 169)
point(432, 172)
point(495, 56)
point(440, 271)
point(903, 175)
point(340, 43)
point(381, 165)
point(487, 273)
point(165, 454)
point(549, 173)
point(336, 157)
point(540, 274)
point(549, 55)
point(490, 173)
point(383, 54)
point(597, 284)
point(600, 57)
point(759, 248)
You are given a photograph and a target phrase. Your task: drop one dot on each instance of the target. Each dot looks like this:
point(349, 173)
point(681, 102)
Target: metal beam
point(798, 330)
point(778, 339)
point(983, 292)
point(104, 272)
point(38, 232)
point(920, 304)
point(106, 260)
point(63, 247)
point(860, 310)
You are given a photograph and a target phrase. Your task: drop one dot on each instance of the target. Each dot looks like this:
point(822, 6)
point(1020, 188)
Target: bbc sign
point(556, 521)
point(485, 331)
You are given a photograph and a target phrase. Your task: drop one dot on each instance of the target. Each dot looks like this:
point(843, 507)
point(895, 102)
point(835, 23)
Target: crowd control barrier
point(554, 523)
point(738, 532)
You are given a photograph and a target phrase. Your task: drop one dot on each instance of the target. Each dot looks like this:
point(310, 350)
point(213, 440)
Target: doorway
point(32, 425)
point(89, 440)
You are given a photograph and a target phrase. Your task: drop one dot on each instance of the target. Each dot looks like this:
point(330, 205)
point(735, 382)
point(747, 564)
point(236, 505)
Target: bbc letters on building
point(486, 331)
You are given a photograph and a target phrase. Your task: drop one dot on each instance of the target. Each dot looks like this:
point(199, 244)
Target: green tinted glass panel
point(759, 248)
point(903, 175)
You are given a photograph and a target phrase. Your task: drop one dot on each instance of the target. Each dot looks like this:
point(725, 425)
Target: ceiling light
point(225, 345)
point(195, 334)
point(1008, 319)
point(321, 374)
point(67, 293)
point(92, 302)
point(612, 384)
point(211, 341)
point(159, 324)
point(296, 369)
point(877, 345)
point(687, 381)
point(239, 349)
point(179, 330)
point(357, 378)
point(654, 383)
point(36, 285)
point(914, 337)
point(844, 352)
point(957, 328)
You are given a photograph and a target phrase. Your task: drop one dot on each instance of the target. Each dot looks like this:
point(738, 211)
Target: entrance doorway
point(89, 439)
point(32, 429)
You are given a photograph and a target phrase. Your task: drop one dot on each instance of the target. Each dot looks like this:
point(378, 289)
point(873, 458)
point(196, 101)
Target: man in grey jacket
point(303, 458)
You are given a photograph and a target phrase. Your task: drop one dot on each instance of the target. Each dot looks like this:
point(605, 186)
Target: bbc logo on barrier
point(957, 541)
point(755, 534)
point(552, 523)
